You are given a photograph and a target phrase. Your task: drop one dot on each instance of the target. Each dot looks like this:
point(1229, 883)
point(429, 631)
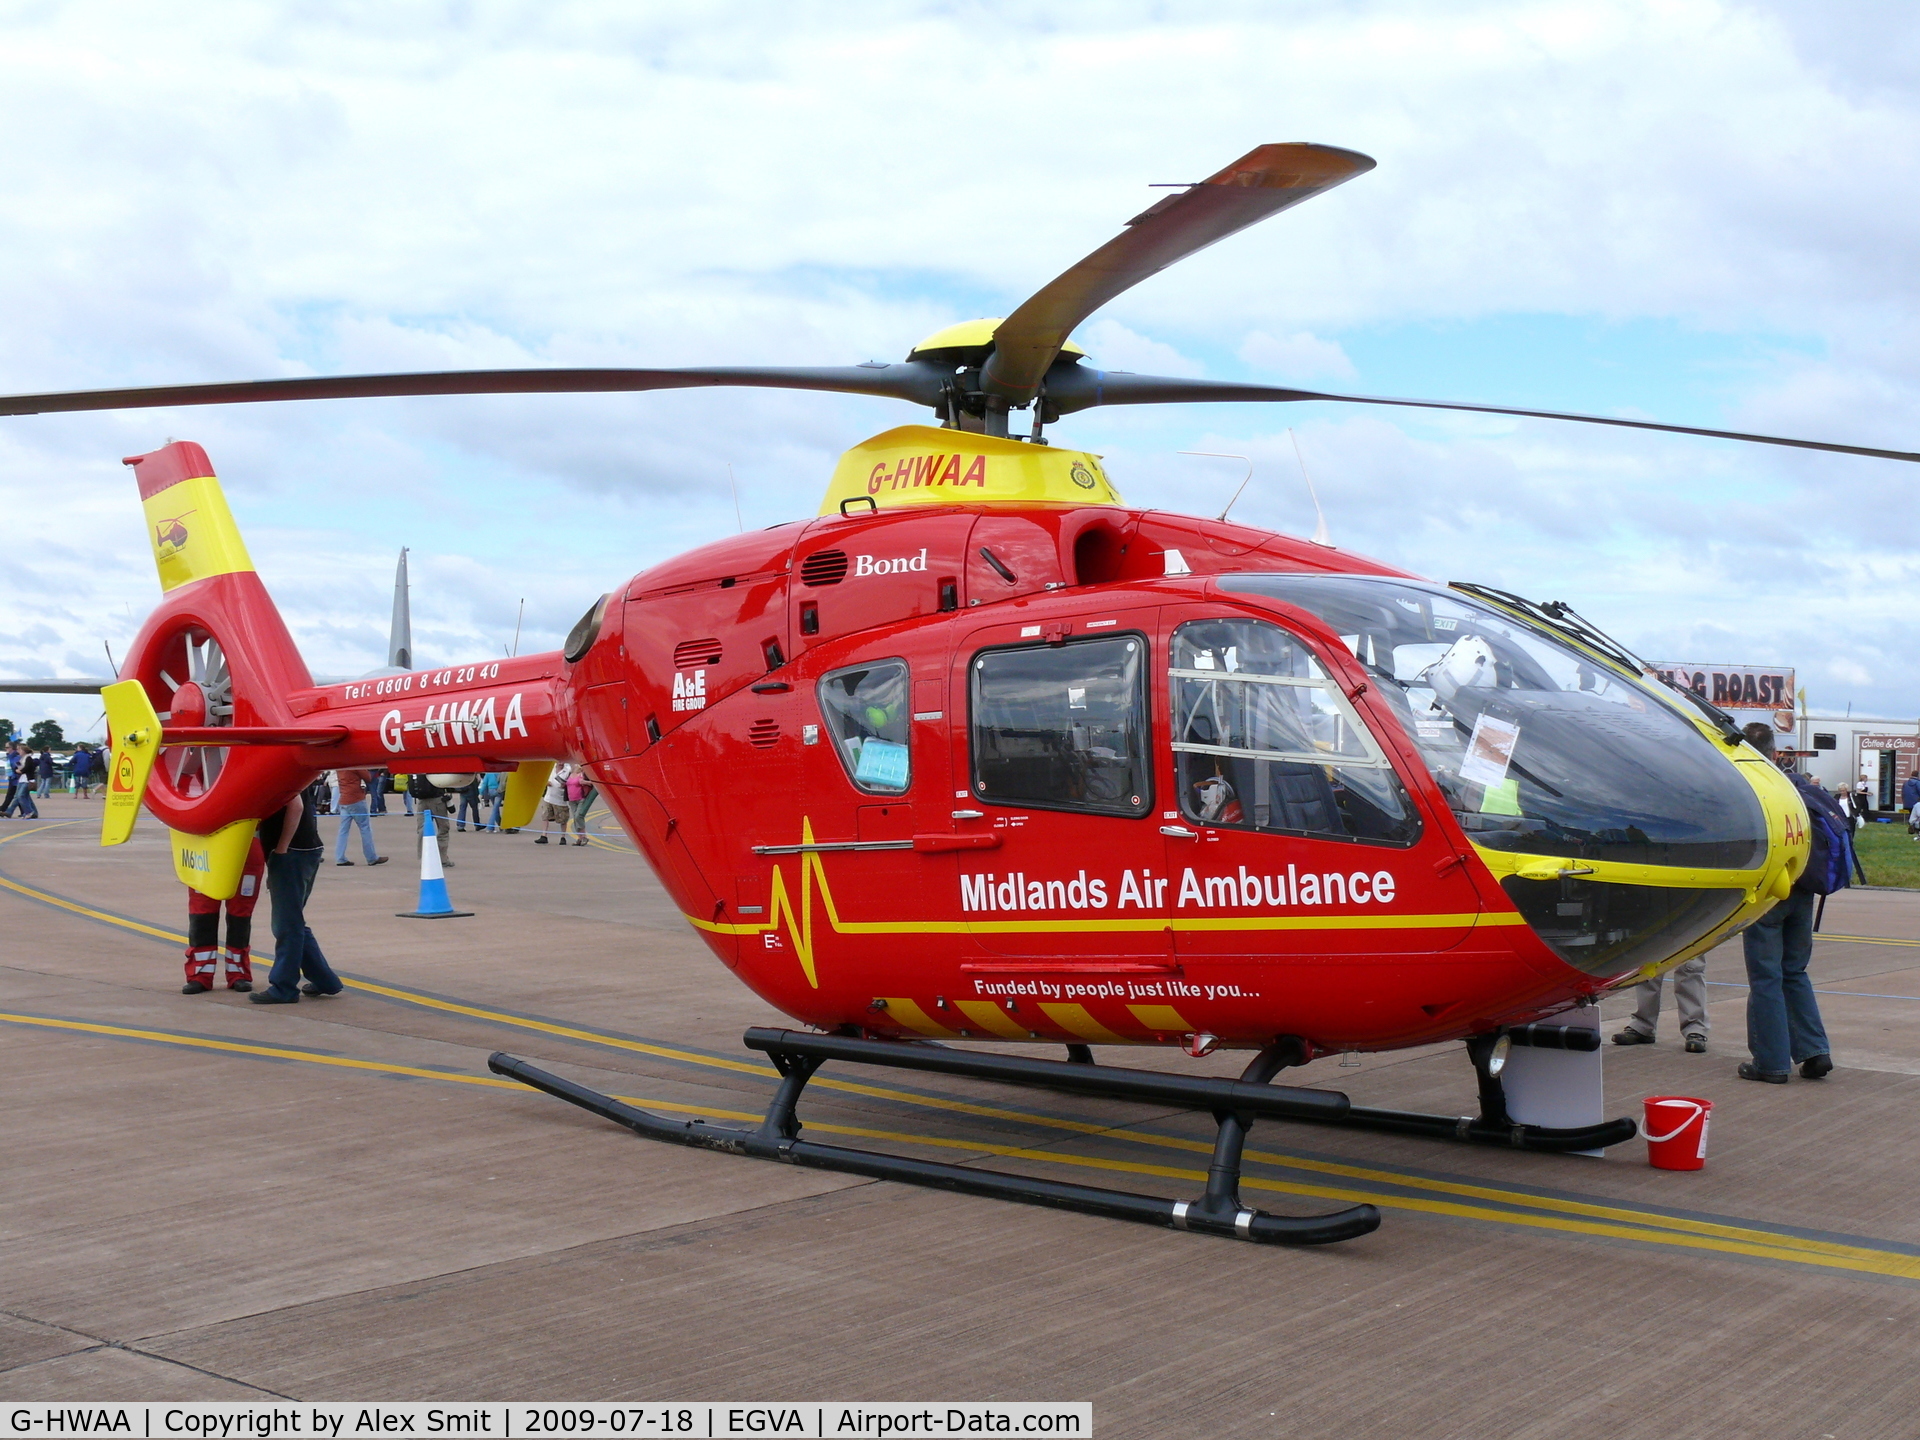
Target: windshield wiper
point(1560, 616)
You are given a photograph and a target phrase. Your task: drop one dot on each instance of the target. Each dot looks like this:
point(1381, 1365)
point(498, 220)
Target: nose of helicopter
point(1621, 921)
point(1624, 827)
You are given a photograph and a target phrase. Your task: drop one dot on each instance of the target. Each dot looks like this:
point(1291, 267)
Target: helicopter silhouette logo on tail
point(170, 536)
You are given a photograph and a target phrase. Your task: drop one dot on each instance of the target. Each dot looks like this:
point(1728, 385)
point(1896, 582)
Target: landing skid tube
point(1250, 1096)
point(1218, 1212)
point(1235, 1105)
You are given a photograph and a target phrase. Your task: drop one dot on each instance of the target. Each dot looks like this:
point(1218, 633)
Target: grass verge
point(1889, 856)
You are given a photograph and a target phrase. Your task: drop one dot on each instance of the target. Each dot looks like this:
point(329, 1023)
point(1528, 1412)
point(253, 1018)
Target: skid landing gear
point(1235, 1104)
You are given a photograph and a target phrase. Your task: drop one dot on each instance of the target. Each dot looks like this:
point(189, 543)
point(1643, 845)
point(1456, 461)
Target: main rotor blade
point(1260, 183)
point(906, 380)
point(1082, 388)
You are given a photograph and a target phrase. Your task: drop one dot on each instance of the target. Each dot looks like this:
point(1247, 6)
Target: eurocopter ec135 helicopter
point(981, 753)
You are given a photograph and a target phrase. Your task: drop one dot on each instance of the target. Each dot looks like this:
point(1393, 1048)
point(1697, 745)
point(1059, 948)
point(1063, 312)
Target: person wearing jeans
point(294, 852)
point(469, 805)
point(353, 807)
point(1783, 1017)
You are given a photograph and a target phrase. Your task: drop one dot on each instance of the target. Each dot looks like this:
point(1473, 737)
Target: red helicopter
point(981, 753)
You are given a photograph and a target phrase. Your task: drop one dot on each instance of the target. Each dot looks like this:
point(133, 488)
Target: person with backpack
point(1783, 1017)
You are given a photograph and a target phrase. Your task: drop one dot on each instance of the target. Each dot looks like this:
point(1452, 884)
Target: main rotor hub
point(967, 345)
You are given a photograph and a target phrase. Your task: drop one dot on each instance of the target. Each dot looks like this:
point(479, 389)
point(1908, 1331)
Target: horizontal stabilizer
point(254, 735)
point(54, 687)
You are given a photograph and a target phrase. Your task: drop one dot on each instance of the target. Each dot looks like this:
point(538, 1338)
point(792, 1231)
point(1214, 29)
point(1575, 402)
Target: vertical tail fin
point(188, 523)
point(215, 652)
point(400, 637)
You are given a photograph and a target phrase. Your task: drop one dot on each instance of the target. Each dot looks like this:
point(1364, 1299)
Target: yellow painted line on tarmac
point(1865, 939)
point(236, 1047)
point(1632, 1226)
point(73, 905)
point(1556, 1213)
point(591, 1037)
point(548, 1027)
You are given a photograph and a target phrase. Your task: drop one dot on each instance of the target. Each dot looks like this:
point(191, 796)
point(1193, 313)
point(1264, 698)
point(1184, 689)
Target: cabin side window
point(1063, 727)
point(1264, 740)
point(865, 709)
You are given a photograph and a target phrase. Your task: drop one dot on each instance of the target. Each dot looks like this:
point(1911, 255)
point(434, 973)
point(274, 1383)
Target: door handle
point(1179, 832)
point(937, 844)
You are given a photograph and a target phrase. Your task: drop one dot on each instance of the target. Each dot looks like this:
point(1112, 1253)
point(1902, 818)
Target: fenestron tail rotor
point(972, 374)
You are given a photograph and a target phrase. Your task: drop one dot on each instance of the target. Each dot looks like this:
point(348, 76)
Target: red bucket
point(1676, 1131)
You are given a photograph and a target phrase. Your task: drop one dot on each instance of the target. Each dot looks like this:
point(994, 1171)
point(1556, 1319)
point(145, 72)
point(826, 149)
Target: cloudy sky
point(1703, 211)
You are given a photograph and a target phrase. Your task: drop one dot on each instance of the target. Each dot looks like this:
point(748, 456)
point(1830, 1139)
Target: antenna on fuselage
point(1218, 455)
point(1320, 536)
point(734, 484)
point(516, 628)
point(400, 634)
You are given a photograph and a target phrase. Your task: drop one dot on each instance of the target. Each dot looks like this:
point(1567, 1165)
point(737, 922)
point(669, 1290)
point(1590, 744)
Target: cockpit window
point(865, 708)
point(1537, 748)
point(1264, 740)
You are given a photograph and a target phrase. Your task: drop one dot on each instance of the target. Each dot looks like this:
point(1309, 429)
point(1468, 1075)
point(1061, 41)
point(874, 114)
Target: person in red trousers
point(204, 955)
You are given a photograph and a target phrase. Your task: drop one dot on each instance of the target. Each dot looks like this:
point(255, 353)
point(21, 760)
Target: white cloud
point(235, 189)
point(1112, 346)
point(1299, 356)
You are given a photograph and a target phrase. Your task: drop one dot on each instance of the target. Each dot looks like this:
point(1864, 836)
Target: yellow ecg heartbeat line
point(796, 918)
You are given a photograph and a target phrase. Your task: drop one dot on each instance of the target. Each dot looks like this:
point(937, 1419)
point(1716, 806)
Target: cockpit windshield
point(1538, 748)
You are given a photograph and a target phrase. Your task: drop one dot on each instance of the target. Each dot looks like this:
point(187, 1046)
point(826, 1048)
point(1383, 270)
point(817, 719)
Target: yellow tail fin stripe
point(193, 533)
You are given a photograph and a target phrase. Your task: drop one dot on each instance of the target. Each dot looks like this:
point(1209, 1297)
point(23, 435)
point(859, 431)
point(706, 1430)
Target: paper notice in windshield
point(1489, 751)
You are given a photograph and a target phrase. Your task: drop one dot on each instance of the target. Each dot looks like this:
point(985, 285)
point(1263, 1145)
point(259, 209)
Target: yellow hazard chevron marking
point(992, 1019)
point(909, 1014)
point(1075, 1020)
point(1162, 1018)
